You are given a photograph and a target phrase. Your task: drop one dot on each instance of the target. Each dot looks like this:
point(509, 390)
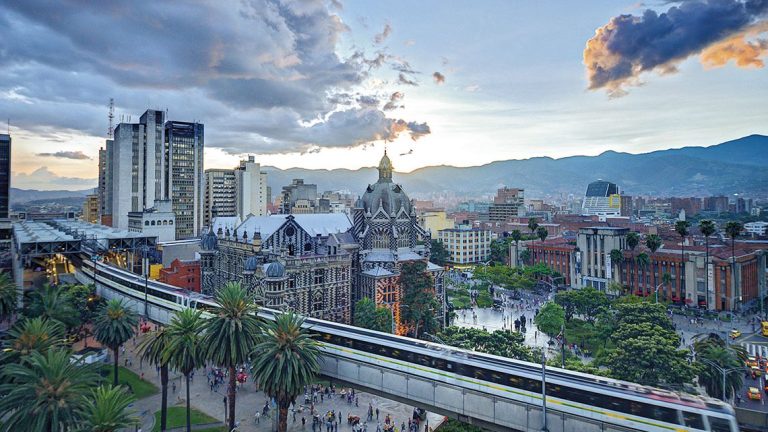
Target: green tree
point(550, 319)
point(501, 343)
point(707, 228)
point(533, 225)
point(633, 239)
point(710, 377)
point(34, 335)
point(152, 349)
point(185, 351)
point(682, 228)
point(45, 392)
point(419, 307)
point(8, 297)
point(643, 312)
point(643, 261)
point(733, 229)
point(617, 258)
point(107, 410)
point(516, 236)
point(568, 300)
point(525, 256)
point(114, 325)
point(653, 242)
point(438, 254)
point(84, 300)
point(500, 251)
point(52, 303)
point(590, 302)
point(285, 361)
point(231, 335)
point(372, 317)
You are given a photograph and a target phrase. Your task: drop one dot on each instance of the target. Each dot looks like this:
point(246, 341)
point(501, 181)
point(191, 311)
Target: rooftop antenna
point(111, 117)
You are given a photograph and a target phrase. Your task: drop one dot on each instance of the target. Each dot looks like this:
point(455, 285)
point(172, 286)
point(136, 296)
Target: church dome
point(274, 270)
point(251, 264)
point(209, 241)
point(384, 193)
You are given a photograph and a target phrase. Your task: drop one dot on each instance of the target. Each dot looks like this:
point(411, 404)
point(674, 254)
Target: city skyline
point(532, 101)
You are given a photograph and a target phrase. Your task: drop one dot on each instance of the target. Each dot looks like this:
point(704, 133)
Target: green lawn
point(177, 417)
point(139, 387)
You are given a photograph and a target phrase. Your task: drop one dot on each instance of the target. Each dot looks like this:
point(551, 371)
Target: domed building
point(389, 235)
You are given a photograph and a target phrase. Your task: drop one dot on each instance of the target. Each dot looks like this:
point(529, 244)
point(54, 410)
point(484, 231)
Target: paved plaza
point(250, 400)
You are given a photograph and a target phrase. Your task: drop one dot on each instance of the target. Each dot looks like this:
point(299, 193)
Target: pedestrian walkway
point(755, 349)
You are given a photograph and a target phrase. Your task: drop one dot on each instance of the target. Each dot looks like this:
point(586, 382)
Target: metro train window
point(693, 420)
point(719, 425)
point(480, 374)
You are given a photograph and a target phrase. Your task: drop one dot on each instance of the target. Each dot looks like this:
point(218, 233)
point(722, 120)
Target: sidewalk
point(250, 400)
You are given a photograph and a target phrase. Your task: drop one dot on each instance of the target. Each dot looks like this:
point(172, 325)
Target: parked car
point(734, 334)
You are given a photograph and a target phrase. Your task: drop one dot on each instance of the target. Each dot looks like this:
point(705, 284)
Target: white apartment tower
point(251, 189)
point(220, 194)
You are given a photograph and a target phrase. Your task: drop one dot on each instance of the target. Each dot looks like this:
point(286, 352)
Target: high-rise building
point(220, 194)
point(299, 198)
point(717, 204)
point(104, 191)
point(135, 165)
point(602, 199)
point(184, 181)
point(5, 174)
point(251, 191)
point(508, 203)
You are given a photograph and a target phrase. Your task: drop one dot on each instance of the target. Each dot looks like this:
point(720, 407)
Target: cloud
point(43, 178)
point(394, 99)
point(472, 88)
point(439, 78)
point(403, 79)
point(629, 45)
point(381, 37)
point(257, 73)
point(79, 155)
point(409, 42)
point(744, 52)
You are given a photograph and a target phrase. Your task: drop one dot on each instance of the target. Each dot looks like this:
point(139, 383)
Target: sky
point(329, 84)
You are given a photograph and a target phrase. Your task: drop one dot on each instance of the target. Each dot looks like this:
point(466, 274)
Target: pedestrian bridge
point(491, 392)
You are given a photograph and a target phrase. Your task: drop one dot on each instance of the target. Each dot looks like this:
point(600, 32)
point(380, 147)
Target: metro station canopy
point(62, 236)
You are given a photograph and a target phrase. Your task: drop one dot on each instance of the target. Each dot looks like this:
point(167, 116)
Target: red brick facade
point(182, 274)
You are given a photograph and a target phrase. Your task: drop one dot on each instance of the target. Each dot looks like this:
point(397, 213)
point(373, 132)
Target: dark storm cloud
point(79, 155)
point(255, 71)
point(629, 45)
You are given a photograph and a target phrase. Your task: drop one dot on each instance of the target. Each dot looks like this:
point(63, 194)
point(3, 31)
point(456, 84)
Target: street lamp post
point(725, 372)
point(656, 291)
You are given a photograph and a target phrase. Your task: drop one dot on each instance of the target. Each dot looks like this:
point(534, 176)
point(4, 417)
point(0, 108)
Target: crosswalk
point(755, 349)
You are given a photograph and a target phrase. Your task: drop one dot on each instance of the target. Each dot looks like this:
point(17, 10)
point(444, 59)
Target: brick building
point(183, 274)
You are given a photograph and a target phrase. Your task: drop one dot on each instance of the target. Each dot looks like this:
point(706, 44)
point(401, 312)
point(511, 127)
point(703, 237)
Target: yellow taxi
point(751, 361)
point(754, 394)
point(756, 371)
point(734, 334)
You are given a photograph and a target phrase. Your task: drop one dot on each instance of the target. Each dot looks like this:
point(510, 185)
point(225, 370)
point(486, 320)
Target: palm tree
point(185, 351)
point(35, 334)
point(616, 258)
point(711, 377)
point(106, 410)
point(733, 229)
point(152, 349)
point(633, 239)
point(8, 297)
point(642, 263)
point(231, 334)
point(45, 392)
point(516, 236)
point(114, 325)
point(682, 229)
point(666, 278)
point(653, 242)
point(707, 228)
point(52, 303)
point(533, 225)
point(285, 360)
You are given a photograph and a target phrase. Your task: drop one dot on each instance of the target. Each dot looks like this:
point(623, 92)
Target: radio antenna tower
point(111, 116)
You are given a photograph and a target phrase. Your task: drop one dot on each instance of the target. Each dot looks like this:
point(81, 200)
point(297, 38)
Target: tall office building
point(183, 180)
point(135, 166)
point(507, 203)
point(299, 198)
point(602, 199)
point(251, 190)
point(5, 175)
point(104, 190)
point(220, 194)
point(91, 208)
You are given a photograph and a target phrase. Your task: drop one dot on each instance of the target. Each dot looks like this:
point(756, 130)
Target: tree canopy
point(501, 343)
point(372, 317)
point(550, 319)
point(419, 307)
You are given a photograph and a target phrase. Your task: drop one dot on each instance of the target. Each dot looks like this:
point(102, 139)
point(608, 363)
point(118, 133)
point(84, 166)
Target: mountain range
point(737, 166)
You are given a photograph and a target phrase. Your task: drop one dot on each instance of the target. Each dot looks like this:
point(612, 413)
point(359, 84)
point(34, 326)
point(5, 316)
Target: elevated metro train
point(617, 405)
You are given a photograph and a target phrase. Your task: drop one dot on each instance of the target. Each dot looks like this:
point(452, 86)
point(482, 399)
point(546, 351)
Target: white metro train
point(609, 405)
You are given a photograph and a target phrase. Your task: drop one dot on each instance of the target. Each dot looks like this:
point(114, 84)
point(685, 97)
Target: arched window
point(153, 223)
point(307, 247)
point(165, 222)
point(146, 223)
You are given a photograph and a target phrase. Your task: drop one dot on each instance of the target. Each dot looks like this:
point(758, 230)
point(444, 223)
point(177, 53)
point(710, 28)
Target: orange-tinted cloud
point(742, 49)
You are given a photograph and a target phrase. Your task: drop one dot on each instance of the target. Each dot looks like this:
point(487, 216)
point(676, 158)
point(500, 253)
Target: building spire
point(385, 168)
